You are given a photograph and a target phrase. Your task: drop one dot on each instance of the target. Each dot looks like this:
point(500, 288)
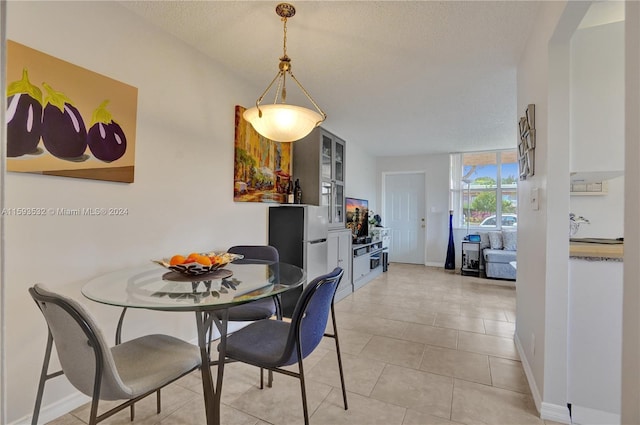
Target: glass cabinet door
point(326, 197)
point(332, 175)
point(339, 162)
point(338, 204)
point(327, 158)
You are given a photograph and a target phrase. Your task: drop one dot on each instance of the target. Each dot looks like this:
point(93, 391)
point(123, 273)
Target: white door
point(404, 200)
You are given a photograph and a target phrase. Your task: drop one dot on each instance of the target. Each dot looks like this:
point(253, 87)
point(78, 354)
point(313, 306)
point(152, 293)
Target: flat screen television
point(357, 217)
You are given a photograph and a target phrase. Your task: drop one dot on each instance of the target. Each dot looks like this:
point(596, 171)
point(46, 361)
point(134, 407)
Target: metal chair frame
point(92, 340)
point(241, 249)
point(300, 373)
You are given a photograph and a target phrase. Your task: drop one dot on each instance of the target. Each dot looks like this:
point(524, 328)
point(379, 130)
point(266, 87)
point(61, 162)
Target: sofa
point(499, 248)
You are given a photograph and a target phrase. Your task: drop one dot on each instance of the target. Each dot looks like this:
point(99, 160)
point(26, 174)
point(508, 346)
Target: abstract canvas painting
point(65, 120)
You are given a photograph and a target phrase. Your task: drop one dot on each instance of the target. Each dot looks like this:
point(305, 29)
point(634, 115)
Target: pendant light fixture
point(279, 121)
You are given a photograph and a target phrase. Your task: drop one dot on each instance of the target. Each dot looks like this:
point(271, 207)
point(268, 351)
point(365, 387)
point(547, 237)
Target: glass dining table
point(209, 296)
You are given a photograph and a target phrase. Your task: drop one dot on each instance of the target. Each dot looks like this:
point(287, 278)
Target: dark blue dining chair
point(259, 309)
point(264, 308)
point(273, 344)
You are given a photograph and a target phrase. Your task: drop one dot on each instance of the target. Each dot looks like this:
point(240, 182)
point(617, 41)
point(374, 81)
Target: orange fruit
point(192, 258)
point(204, 260)
point(177, 259)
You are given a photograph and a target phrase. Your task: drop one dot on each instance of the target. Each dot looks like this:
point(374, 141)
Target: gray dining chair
point(129, 371)
point(273, 344)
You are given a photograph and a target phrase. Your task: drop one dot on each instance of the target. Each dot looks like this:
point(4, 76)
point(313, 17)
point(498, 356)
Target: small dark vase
point(450, 262)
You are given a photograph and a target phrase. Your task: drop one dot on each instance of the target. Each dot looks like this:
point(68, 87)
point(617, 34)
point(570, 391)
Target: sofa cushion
point(501, 271)
point(509, 240)
point(499, 256)
point(484, 240)
point(495, 240)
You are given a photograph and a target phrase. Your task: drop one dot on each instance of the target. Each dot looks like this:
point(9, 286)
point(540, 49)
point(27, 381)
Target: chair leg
point(119, 328)
point(132, 412)
point(278, 303)
point(93, 416)
point(303, 388)
point(261, 378)
point(335, 336)
point(158, 402)
point(43, 379)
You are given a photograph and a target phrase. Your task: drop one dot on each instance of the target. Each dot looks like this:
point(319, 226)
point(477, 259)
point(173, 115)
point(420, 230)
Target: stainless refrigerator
point(299, 233)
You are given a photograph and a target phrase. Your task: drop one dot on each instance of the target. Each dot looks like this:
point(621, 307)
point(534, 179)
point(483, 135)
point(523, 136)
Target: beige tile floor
point(420, 345)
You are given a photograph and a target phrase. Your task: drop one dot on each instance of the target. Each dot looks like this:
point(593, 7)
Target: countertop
point(596, 251)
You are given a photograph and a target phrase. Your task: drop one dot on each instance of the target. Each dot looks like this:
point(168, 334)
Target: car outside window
point(508, 221)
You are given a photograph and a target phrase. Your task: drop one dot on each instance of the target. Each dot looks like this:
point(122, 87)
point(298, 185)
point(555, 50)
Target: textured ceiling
point(397, 77)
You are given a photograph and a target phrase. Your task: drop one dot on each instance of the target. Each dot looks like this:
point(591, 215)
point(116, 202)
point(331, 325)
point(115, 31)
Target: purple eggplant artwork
point(64, 120)
point(24, 117)
point(63, 131)
point(105, 138)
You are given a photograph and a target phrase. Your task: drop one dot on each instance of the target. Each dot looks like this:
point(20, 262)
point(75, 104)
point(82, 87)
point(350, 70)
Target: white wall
point(543, 254)
point(597, 98)
point(3, 127)
point(605, 213)
point(597, 123)
point(436, 169)
point(361, 174)
point(181, 200)
point(544, 74)
point(631, 303)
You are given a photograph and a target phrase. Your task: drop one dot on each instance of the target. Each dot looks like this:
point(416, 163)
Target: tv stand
point(366, 263)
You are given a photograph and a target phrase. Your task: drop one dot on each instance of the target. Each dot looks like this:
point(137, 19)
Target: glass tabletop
point(154, 287)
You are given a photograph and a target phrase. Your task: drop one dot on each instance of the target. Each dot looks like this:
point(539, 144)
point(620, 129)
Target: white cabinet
point(319, 163)
point(367, 263)
point(361, 266)
point(339, 255)
point(595, 341)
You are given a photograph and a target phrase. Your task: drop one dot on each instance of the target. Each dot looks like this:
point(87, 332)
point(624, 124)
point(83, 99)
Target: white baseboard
point(54, 410)
point(587, 416)
point(529, 373)
point(548, 411)
point(556, 413)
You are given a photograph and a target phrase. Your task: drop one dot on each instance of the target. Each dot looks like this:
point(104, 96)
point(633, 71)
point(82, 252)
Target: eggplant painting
point(24, 117)
point(65, 120)
point(106, 138)
point(63, 131)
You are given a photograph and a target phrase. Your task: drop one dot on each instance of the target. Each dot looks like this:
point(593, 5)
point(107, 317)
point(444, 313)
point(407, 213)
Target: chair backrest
point(309, 319)
point(81, 346)
point(262, 253)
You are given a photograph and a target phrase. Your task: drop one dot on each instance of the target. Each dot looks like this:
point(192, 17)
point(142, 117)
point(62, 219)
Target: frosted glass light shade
point(282, 122)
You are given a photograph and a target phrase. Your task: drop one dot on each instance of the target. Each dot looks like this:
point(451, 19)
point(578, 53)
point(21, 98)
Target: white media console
point(367, 262)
